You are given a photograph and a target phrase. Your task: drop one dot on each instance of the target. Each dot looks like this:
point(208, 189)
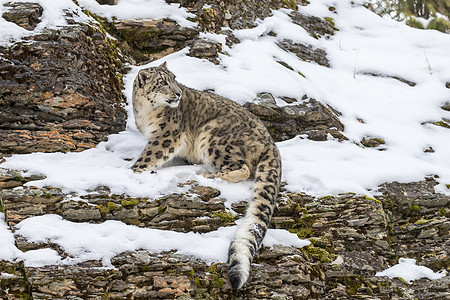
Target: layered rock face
point(61, 90)
point(352, 237)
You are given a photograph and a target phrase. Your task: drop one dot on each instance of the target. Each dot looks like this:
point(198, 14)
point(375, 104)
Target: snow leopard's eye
point(164, 82)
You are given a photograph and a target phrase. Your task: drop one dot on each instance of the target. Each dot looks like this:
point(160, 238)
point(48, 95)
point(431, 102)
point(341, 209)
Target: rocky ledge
point(60, 90)
point(352, 237)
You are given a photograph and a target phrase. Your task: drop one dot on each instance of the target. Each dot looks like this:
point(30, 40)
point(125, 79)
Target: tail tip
point(235, 279)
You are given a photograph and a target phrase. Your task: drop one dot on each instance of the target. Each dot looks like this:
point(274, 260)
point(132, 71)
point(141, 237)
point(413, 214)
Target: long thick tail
point(252, 230)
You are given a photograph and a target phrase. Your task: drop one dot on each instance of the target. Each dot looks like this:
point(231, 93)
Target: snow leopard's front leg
point(158, 151)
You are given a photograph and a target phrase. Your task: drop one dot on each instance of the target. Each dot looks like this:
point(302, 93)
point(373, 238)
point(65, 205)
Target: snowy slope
point(371, 106)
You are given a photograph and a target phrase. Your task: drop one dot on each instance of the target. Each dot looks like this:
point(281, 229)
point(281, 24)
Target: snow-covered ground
point(371, 106)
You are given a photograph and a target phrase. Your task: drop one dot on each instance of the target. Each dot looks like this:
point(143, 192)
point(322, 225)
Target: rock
point(305, 52)
point(174, 212)
point(70, 283)
point(109, 2)
point(13, 283)
point(408, 82)
point(446, 106)
point(352, 237)
point(311, 118)
point(22, 203)
point(205, 192)
point(152, 39)
point(205, 50)
point(372, 142)
point(420, 218)
point(24, 14)
point(215, 14)
point(59, 92)
point(315, 26)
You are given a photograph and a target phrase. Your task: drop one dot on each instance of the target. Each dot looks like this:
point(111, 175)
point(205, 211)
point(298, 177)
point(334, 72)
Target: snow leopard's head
point(156, 86)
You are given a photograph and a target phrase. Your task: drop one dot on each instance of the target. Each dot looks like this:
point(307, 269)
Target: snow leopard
point(205, 128)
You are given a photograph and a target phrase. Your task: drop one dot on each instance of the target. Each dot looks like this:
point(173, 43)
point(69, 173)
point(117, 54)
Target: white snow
point(409, 271)
point(54, 11)
point(140, 9)
point(8, 250)
point(84, 241)
point(365, 44)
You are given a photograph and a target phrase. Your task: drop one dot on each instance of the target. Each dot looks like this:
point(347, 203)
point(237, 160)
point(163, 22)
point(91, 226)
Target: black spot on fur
point(155, 143)
point(149, 153)
point(171, 150)
point(158, 154)
point(166, 143)
point(166, 134)
point(232, 263)
point(264, 208)
point(147, 159)
point(264, 195)
point(162, 125)
point(262, 217)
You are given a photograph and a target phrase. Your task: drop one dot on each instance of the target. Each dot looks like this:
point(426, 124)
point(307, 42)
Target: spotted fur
point(205, 128)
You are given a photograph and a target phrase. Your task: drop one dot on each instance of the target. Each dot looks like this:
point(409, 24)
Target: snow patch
point(85, 241)
point(409, 271)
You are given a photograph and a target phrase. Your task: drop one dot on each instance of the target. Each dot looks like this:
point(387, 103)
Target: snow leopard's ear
point(164, 65)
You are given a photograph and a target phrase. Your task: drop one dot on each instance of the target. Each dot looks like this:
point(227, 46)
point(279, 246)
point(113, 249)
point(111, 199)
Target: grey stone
point(24, 14)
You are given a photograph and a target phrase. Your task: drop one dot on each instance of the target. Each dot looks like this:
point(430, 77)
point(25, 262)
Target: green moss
point(201, 283)
point(106, 209)
point(161, 209)
point(330, 20)
point(335, 267)
point(17, 177)
point(135, 222)
point(353, 283)
point(47, 195)
point(290, 4)
point(112, 206)
point(217, 282)
point(442, 124)
point(421, 221)
point(211, 13)
point(373, 199)
point(129, 202)
point(302, 233)
point(225, 217)
point(415, 207)
point(439, 24)
point(442, 212)
point(402, 280)
point(317, 253)
point(320, 241)
point(413, 22)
